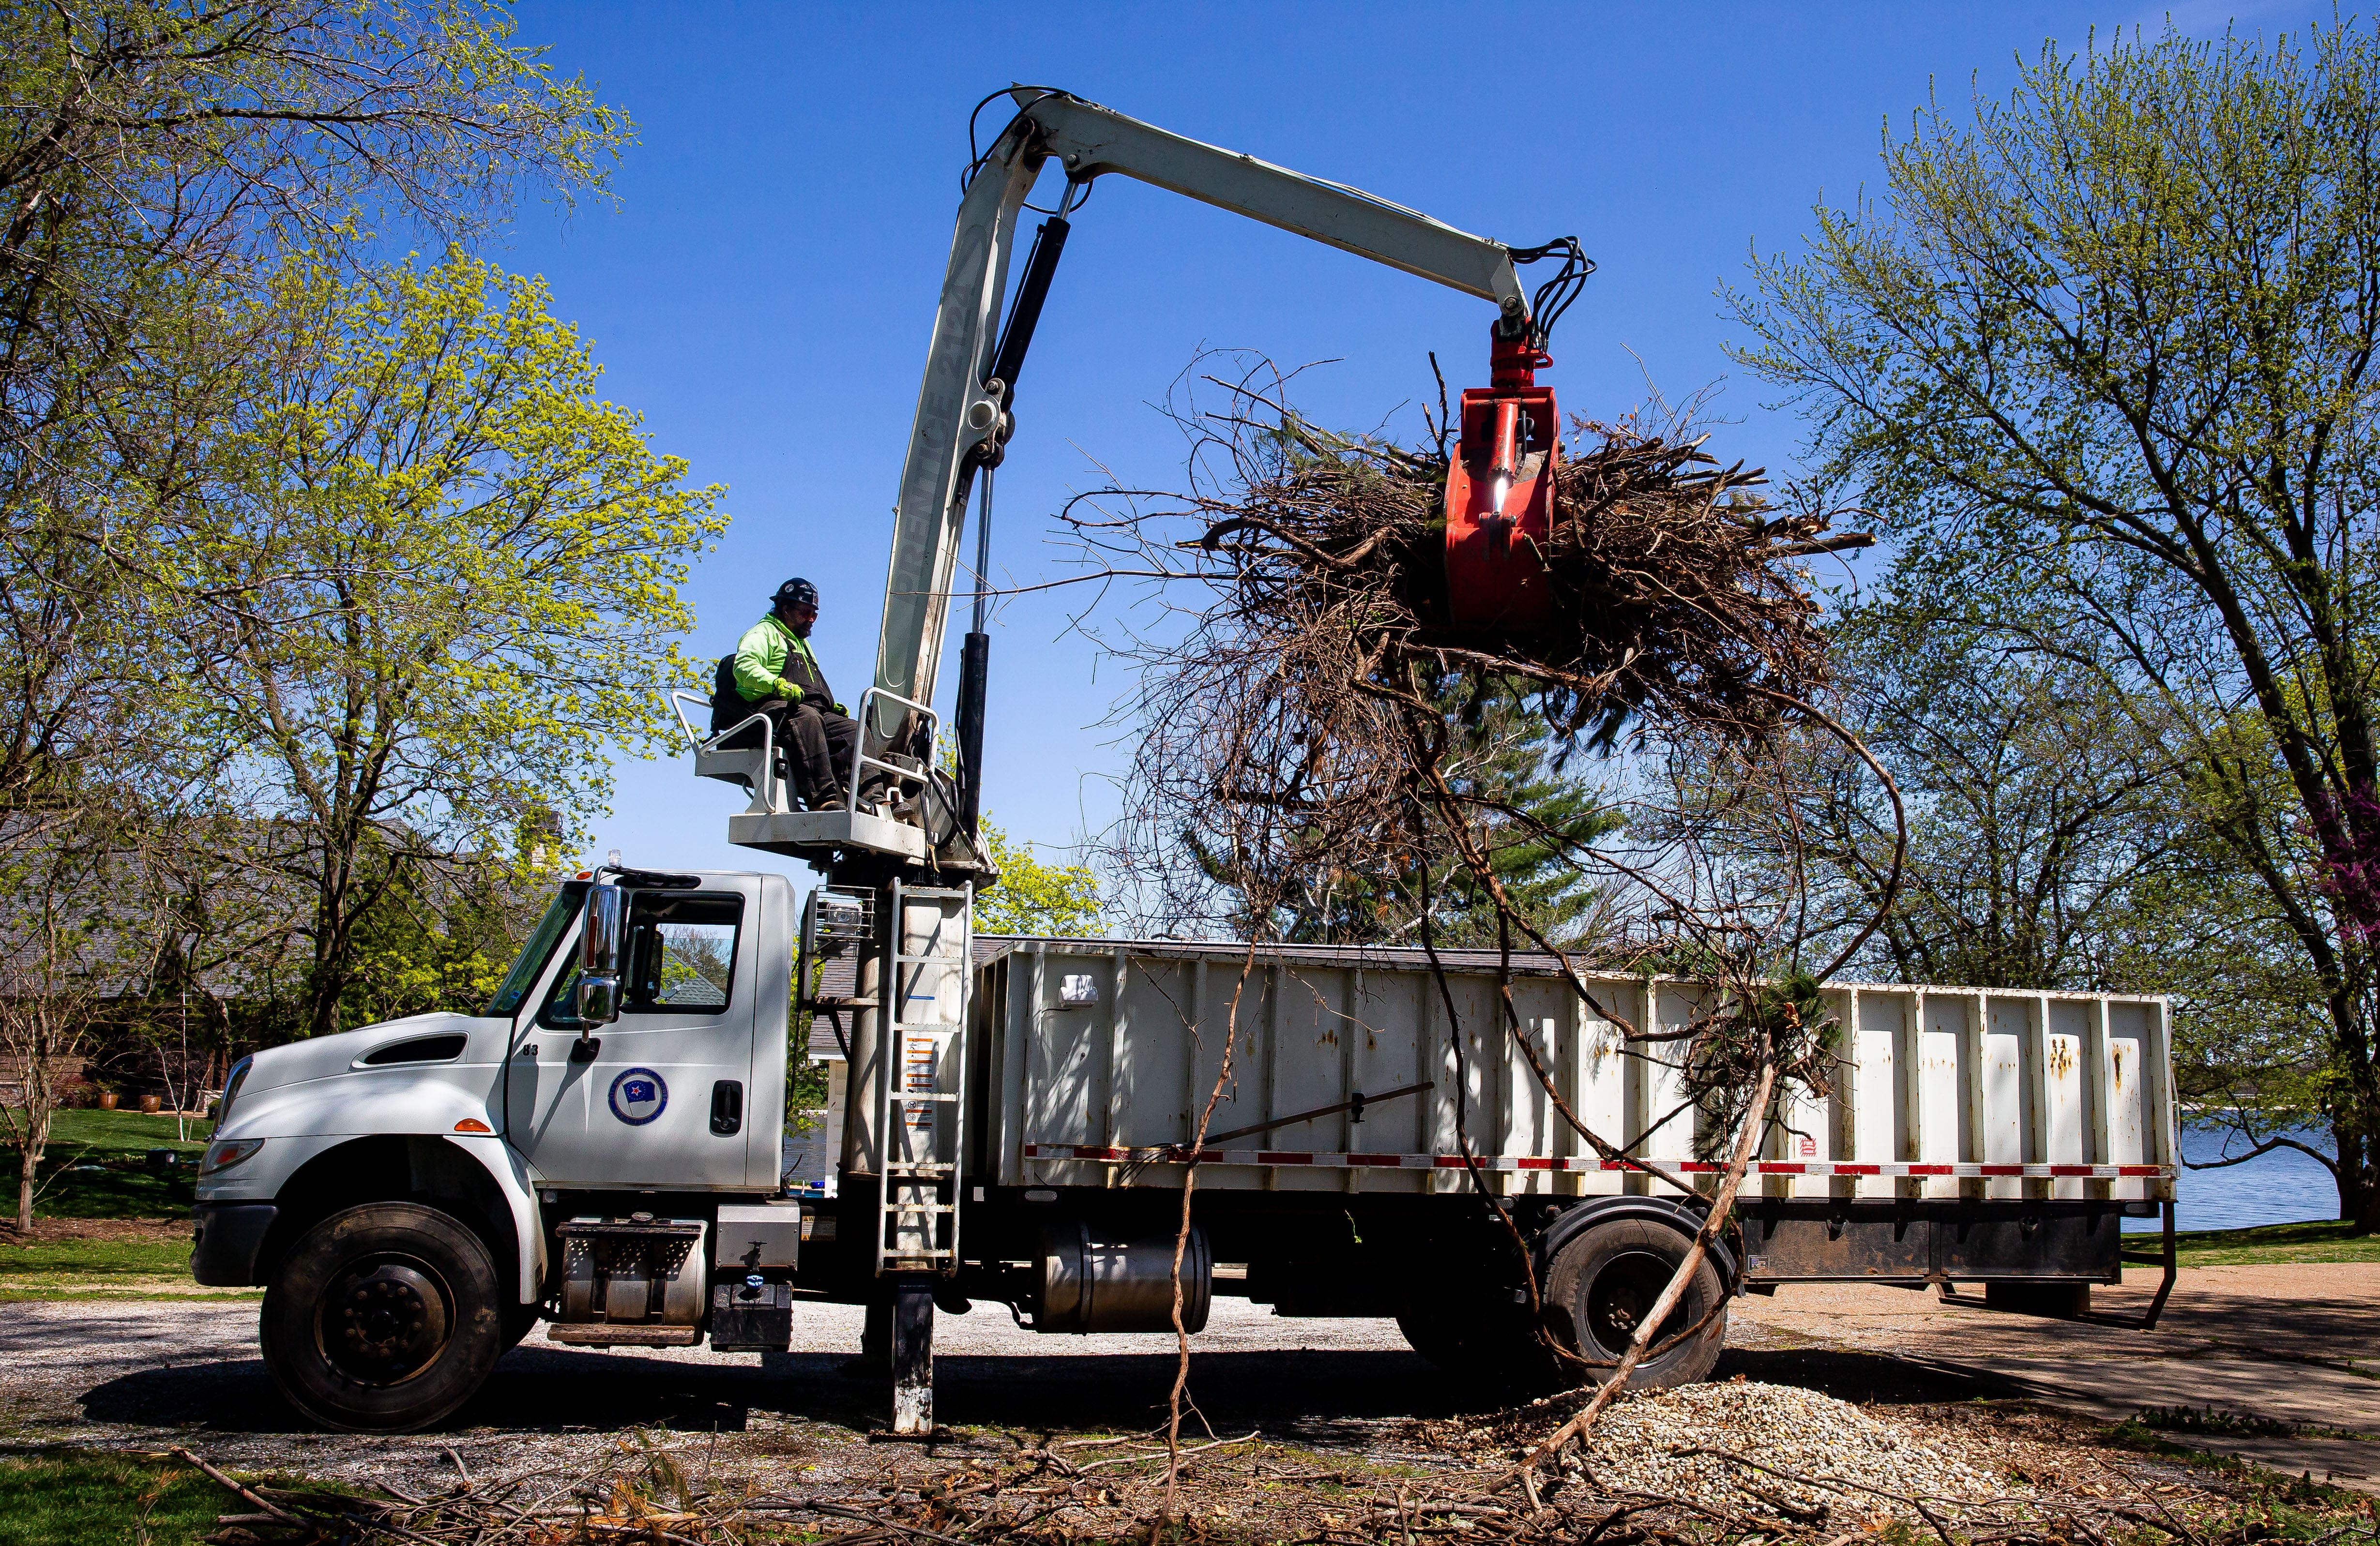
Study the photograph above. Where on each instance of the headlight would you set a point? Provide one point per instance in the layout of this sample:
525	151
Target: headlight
224	1155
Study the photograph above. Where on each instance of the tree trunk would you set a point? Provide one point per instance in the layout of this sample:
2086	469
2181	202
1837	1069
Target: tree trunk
2358	1170
37	1133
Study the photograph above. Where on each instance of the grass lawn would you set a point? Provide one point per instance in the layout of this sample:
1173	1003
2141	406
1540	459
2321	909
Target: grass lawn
117	1134
77	1496
129	1235
86	1498
103	1258
2327	1240
96	1167
137	1257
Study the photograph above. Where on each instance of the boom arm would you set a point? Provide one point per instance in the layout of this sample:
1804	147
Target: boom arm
959	408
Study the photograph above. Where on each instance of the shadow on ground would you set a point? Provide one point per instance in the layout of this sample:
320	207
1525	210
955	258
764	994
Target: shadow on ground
1329	1399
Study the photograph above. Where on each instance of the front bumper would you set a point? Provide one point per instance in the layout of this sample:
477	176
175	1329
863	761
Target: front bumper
227	1239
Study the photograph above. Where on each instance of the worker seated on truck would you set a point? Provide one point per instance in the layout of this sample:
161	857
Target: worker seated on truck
774	672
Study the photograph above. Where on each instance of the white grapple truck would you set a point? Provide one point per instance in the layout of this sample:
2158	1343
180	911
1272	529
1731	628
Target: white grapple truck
599	1150
602	1152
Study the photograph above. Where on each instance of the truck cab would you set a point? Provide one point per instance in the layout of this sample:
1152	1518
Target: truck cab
415	1196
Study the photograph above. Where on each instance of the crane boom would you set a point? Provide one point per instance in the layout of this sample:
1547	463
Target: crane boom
960	408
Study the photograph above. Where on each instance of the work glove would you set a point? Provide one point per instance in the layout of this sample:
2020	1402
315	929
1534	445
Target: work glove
840	709
788	691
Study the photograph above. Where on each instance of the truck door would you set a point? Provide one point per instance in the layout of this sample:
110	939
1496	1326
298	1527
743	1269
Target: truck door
664	1101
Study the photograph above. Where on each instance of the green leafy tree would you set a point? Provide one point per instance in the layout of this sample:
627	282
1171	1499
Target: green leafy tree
436	577
1034	895
157	157
438	935
2102	354
2041	811
146	144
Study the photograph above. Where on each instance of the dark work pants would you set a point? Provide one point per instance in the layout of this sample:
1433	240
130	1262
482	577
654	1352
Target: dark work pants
813	744
820	742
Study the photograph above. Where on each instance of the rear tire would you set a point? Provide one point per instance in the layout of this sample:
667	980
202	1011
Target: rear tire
1604	1280
2063	1301
382	1318
1475	1333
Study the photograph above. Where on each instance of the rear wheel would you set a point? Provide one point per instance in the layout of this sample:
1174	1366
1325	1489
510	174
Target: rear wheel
2062	1301
1476	1333
1603	1283
382	1318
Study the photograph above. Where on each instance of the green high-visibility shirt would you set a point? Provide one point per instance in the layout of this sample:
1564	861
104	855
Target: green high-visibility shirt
772	661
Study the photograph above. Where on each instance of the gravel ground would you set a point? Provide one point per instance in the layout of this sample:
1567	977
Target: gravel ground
1343	1402
144	1375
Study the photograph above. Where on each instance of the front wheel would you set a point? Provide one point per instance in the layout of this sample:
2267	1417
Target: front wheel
382	1318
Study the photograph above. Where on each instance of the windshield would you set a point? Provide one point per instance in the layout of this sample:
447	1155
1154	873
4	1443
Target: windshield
524	974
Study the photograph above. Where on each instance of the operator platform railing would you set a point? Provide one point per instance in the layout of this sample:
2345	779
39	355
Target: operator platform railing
755	766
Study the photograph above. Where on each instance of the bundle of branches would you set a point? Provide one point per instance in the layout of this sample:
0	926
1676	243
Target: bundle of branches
1297	713
1676	594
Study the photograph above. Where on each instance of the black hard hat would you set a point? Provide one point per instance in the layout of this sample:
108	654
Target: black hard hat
796	593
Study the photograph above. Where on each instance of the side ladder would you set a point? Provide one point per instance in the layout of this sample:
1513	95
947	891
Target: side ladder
928	967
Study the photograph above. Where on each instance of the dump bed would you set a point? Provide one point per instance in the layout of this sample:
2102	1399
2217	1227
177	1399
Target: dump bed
1084	1051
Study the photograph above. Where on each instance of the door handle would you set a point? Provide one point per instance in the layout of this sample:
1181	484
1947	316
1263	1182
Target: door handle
727	1107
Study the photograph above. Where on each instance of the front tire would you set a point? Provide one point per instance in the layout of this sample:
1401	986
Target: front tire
519	1320
382	1318
1605	1280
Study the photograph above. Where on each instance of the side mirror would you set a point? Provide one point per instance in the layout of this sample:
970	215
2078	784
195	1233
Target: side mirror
598	957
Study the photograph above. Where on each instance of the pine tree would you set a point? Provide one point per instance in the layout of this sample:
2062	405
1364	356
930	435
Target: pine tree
1508	766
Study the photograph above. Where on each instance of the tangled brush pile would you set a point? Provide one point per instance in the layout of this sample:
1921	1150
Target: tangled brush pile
1677	594
1299	719
1302	710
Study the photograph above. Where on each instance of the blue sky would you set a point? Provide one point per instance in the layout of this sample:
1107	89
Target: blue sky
763	290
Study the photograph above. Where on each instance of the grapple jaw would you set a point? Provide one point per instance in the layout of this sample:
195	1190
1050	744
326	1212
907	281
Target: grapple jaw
1499	495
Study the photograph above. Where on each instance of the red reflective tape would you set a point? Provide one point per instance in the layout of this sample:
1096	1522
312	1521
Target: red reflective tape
1507	1163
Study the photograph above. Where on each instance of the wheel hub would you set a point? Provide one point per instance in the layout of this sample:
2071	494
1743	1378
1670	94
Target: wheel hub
1621	1296
384	1321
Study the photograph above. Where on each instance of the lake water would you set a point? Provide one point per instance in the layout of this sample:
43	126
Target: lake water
2284	1186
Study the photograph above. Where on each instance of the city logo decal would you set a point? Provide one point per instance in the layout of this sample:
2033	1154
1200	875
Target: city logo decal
637	1096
